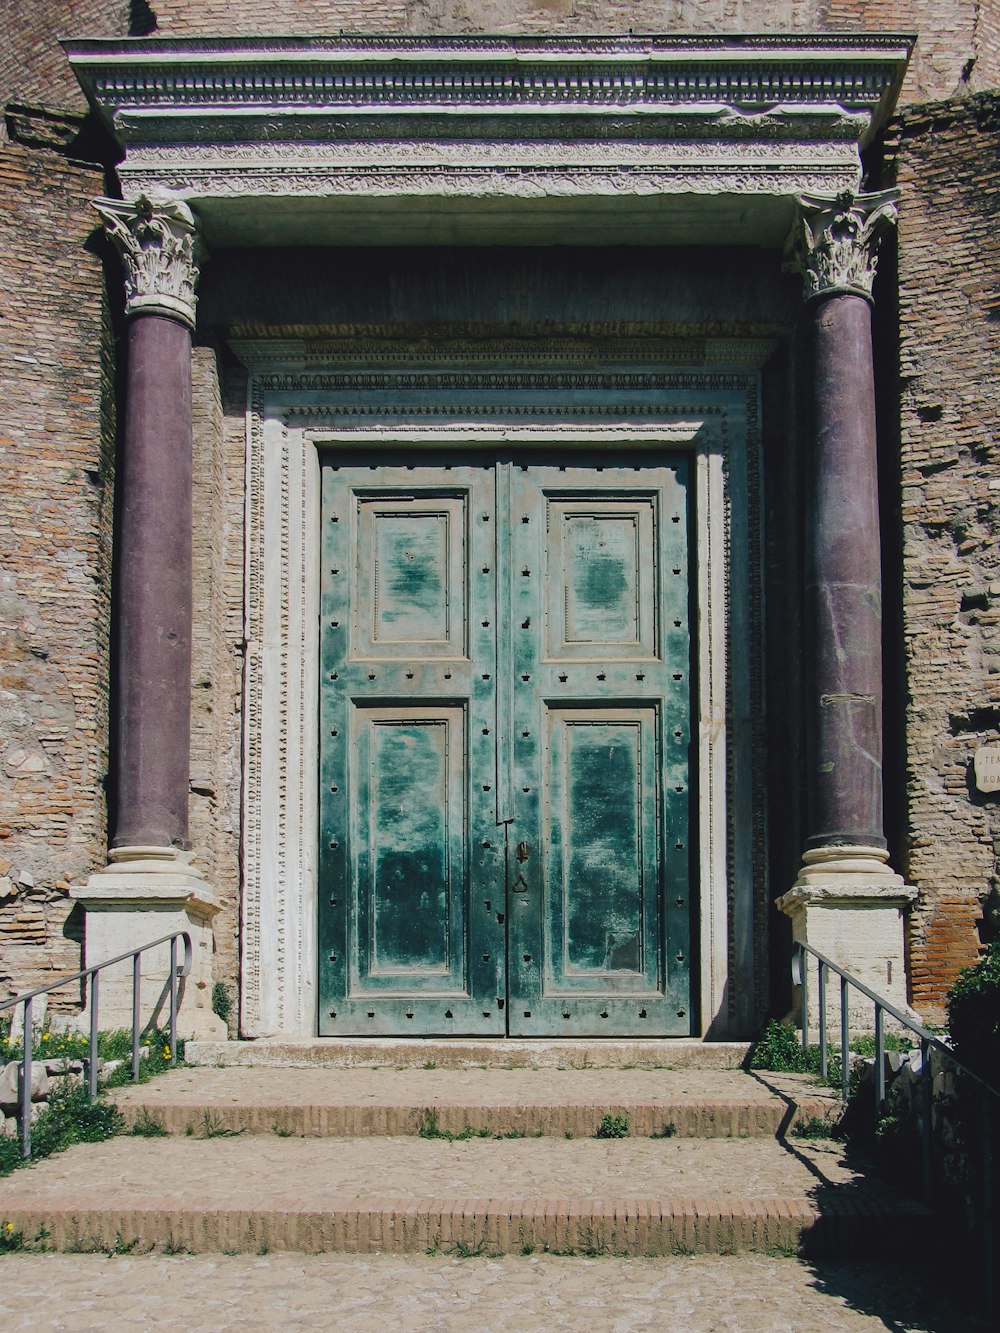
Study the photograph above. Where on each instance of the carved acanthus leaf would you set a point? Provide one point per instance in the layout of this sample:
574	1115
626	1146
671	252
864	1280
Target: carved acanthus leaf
834	245
155	235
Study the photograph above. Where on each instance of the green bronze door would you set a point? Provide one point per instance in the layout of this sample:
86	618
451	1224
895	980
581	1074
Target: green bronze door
505	727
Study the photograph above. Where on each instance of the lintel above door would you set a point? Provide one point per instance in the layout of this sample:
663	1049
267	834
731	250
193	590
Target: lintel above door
492	140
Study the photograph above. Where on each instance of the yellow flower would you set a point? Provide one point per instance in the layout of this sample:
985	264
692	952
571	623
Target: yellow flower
45	1036
10	1226
166	1052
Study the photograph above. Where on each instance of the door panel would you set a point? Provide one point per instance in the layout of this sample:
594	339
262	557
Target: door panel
409	785
412	888
599	939
505	723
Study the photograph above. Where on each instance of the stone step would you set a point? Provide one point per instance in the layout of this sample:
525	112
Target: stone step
512	1103
253	1194
471	1053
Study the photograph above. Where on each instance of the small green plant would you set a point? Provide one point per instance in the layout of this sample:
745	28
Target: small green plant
222	1004
613	1127
68	1117
666	1131
974	1015
465	1251
10	1239
146	1126
891	1041
814	1127
213	1128
779	1050
428	1128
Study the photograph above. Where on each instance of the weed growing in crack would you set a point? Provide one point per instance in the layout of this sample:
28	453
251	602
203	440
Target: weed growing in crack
613	1127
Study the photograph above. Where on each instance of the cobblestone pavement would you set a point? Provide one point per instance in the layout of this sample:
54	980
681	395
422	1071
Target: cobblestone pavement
441	1294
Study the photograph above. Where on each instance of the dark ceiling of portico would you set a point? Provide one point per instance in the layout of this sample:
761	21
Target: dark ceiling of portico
254	293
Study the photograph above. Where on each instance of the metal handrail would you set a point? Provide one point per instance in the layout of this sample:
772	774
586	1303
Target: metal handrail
93	973
928	1040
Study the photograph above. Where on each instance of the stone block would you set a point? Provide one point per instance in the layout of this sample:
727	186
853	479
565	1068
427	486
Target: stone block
10	1083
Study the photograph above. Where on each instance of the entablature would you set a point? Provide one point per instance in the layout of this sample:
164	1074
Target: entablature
493	140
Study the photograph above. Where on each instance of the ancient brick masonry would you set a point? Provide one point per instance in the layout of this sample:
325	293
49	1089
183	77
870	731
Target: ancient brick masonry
950	448
56	487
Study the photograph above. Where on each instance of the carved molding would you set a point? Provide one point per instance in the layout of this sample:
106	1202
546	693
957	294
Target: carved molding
155	236
834	246
396	71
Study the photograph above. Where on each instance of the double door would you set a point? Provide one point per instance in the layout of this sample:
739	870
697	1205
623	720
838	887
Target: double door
505	722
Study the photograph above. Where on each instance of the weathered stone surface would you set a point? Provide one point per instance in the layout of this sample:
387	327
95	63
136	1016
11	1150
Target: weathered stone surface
10	1083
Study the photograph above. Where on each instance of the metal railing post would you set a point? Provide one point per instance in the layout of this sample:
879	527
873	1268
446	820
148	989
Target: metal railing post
136	985
173	1000
927	1108
92	1070
25	1090
821	981
804	982
879	1063
845	1041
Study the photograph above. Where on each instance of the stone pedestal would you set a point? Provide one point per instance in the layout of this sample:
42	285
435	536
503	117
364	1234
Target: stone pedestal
143	894
849	904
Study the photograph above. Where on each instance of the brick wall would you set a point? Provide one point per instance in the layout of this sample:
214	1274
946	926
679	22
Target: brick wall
949	291
56	486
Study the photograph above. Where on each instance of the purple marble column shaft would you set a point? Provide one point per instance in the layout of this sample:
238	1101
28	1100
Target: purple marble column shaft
154	599
844	583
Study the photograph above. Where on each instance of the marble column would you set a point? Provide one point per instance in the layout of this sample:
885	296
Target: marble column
847	901
152	884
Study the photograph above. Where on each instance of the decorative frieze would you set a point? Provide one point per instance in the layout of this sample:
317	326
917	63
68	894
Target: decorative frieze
155	236
834	245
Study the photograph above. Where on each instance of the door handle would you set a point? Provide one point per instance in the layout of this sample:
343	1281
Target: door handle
522	852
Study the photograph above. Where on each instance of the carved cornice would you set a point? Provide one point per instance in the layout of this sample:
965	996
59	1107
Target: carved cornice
834	245
400	71
155	236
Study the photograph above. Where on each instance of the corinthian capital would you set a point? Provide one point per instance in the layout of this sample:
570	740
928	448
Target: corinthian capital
834	243
155	235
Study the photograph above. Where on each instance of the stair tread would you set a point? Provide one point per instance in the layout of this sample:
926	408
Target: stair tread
466	1087
255	1172
471	1052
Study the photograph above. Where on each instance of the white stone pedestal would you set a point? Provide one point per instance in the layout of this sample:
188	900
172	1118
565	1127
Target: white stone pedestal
143	894
848	904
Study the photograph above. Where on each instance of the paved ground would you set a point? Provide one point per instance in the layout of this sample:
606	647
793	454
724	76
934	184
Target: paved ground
433	1294
240	1172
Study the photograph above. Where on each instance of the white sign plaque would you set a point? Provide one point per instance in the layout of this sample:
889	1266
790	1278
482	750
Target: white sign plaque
987	764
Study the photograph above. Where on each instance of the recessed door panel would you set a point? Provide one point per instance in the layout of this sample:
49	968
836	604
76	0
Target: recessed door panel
411	594
603	849
410	847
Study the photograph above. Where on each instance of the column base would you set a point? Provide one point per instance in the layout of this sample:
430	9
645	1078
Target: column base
849	904
142	894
